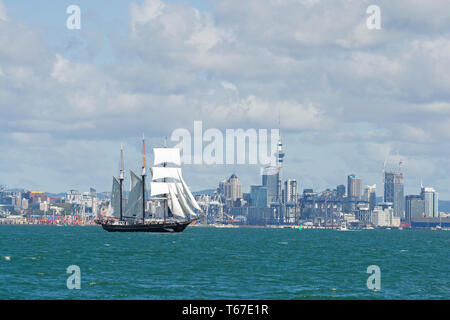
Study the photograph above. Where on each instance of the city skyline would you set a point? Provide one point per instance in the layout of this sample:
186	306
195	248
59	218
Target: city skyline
366	190
347	97
352	190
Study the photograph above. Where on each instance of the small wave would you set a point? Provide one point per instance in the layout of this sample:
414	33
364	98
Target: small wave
283	242
107	245
30	258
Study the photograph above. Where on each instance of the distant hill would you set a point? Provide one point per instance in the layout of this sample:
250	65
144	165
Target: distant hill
15	190
444	205
56	195
206	191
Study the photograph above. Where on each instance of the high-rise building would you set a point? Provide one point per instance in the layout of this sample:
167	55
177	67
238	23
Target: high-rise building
354	187
233	188
414	207
258	196
393	192
370	196
270	181
290	191
222	186
340	191
431	200
280	157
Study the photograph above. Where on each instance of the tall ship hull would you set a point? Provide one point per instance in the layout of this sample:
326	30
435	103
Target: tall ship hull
163	227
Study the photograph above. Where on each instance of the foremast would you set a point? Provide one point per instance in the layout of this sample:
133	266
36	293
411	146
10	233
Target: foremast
166	198
143	179
121	178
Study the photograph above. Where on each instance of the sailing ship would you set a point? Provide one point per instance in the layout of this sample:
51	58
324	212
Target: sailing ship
168	188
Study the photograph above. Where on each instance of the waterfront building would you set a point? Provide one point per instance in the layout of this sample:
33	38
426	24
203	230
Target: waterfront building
363	214
261	216
430	222
431	200
414	207
384	216
393	192
354	187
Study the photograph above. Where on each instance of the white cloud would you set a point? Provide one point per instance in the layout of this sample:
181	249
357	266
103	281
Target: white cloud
149	10
333	81
252	111
229	86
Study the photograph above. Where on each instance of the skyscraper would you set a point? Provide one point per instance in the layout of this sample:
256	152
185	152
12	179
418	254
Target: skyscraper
280	156
270	181
414	207
370	196
431	200
258	195
233	188
393	192
340	191
290	191
222	186
354	187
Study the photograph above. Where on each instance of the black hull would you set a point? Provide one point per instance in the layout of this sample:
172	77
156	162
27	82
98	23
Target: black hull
171	227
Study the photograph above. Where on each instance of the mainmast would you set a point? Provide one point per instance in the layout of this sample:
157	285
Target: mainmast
166	204
280	156
121	178
143	179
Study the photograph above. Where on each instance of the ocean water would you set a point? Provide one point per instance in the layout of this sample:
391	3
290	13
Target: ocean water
213	263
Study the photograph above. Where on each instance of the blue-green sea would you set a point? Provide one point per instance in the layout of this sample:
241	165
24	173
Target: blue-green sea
214	263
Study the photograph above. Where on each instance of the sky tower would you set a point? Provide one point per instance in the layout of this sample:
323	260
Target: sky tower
280	156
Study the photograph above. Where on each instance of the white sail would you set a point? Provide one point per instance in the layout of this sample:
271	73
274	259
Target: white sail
180	199
188	195
167	155
159	188
115	198
184	204
134	208
165	172
174	204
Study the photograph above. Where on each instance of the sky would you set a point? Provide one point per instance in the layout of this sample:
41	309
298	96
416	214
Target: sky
347	98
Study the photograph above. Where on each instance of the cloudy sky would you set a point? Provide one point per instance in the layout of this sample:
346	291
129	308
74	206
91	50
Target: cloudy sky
348	97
